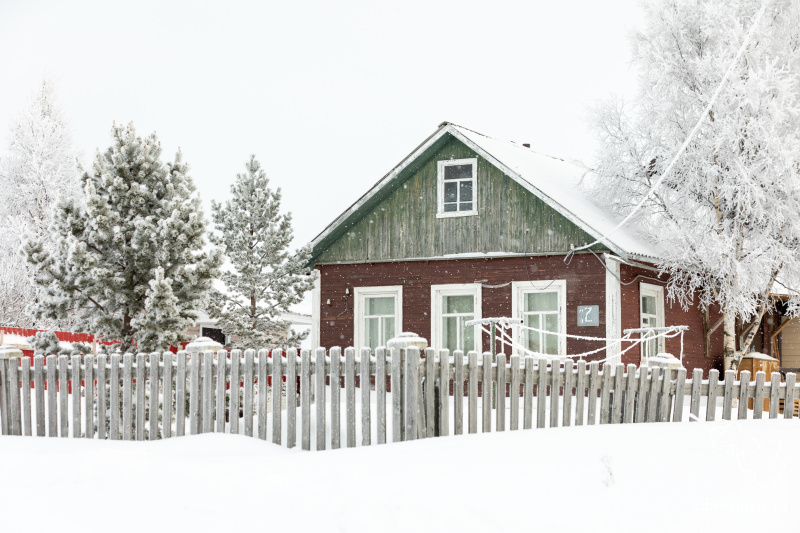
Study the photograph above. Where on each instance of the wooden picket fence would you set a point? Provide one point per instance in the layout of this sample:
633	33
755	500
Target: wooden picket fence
153	396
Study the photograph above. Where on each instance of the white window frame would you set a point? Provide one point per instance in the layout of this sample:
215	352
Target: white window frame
440	212
455	289
648	289
518	291
360	294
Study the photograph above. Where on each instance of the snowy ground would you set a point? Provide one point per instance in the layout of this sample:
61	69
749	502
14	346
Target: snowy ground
637	477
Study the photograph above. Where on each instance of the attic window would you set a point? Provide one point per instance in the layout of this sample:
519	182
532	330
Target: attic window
457	188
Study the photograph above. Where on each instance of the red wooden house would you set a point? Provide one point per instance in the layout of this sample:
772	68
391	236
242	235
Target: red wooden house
467	226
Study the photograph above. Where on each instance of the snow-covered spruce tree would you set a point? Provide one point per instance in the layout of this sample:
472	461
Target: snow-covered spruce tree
130	264
265	278
728	214
38	170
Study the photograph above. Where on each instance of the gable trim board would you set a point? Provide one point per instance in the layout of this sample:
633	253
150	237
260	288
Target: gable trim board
622	242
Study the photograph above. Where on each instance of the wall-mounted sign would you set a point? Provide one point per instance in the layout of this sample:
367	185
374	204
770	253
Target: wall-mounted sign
588	315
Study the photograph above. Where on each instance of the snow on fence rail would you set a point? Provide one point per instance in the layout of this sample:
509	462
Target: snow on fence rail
151	396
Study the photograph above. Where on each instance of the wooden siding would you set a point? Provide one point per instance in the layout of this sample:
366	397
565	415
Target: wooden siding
404	224
693	343
584	275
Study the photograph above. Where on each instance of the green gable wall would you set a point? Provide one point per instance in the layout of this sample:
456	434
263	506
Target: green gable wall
403	224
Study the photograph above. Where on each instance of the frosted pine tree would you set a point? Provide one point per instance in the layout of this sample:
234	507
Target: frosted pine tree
265	278
130	265
38	170
728	214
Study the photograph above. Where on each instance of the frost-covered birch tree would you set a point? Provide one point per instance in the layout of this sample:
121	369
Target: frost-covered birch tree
37	171
727	216
130	263
265	278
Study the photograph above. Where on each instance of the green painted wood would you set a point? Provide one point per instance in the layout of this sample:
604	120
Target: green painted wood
403	224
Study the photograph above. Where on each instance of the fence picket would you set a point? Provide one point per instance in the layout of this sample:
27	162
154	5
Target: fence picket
397	396
666	399
319	394
166	415
25	378
486	391
12	383
458	392
697	383
113	400
711	405
52	389
652	396
514	394
444	393
580	392
154	395
180	395
263	393
380	393
336	386
350	395
472	393
541	393
141	383
88	405
222	387
527	407
788	403
277	395
207	392
249	385
500	403
305	399
679	395
758	397
127	396
233	390
38	388
727	395
744	391
616	404
429	424
75	377
555	386
591	396
5	426
291	396
630	394
605	394
102	403
568	381
774	388
63	393
412	392
194	394
366	422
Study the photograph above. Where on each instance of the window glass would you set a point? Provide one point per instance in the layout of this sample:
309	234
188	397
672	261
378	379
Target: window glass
465	191
540	312
379	320
457	310
458	172
464	303
383	305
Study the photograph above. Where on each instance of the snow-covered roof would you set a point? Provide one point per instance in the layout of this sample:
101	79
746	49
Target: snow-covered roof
557	182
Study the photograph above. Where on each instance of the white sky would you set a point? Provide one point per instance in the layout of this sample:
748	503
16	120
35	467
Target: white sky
329	96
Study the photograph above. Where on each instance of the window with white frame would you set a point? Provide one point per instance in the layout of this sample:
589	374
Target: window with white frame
452	306
457	187
378	315
542	307
651	311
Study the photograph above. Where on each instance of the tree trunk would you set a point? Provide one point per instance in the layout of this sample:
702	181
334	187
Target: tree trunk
729	341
